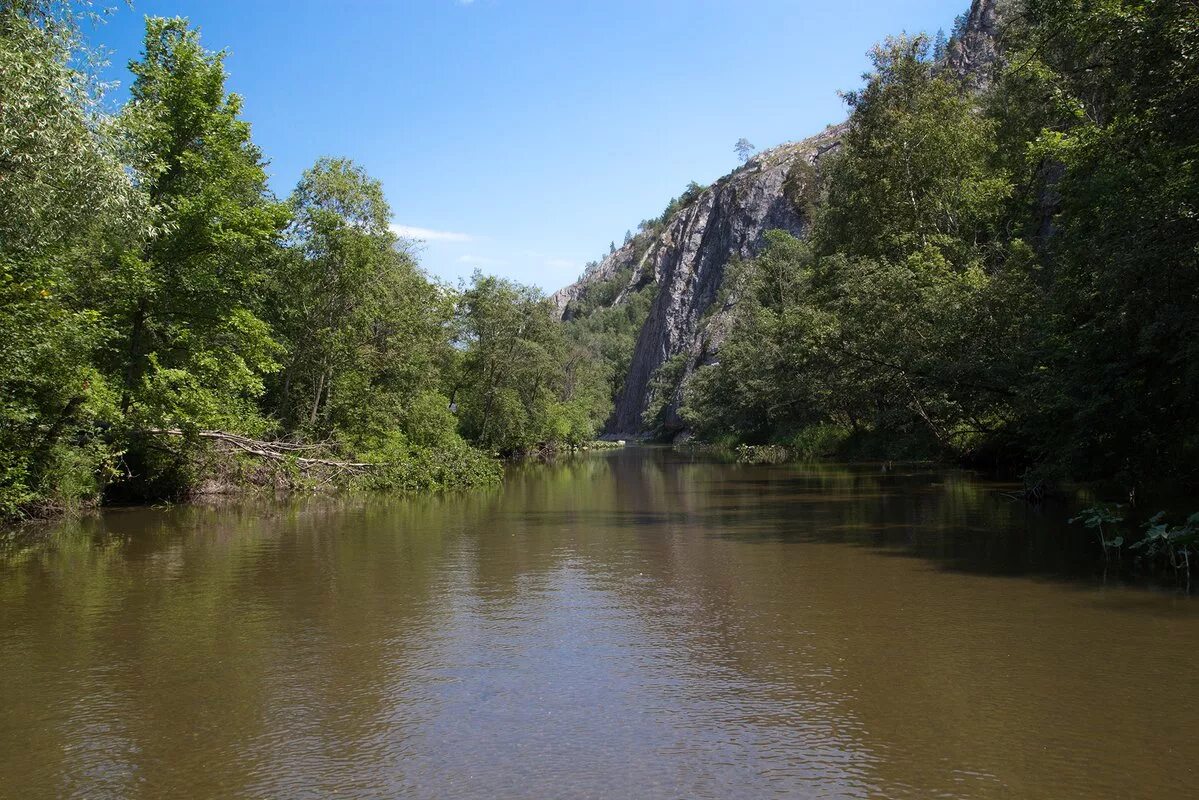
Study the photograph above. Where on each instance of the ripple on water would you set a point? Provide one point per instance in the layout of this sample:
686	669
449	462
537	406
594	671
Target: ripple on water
629	626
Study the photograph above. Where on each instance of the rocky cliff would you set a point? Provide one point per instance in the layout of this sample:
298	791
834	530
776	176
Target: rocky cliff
688	254
974	51
688	257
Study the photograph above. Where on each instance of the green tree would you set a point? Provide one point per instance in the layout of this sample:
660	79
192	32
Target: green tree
367	334
776	371
184	296
606	331
743	149
898	322
522	383
62	191
916	171
930	306
1112	170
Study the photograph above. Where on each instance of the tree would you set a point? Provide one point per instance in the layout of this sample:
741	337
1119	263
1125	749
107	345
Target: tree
367	335
897	323
523	384
917	166
195	348
607	332
1009	275
743	149
62	194
940	46
1104	95
779	369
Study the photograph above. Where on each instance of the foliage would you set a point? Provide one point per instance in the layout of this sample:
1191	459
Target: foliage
608	335
743	149
663	391
1161	542
1008	277
604	444
597	295
193	350
677	204
523	384
803	187
365	331
1095	517
915	174
61	189
1176	543
161	308
410	466
1120	388
762	454
648	228
818	441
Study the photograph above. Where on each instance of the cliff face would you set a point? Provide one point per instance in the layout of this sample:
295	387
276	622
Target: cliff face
727	222
688	256
974	52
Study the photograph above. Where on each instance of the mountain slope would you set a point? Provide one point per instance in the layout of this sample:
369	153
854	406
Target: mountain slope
687	255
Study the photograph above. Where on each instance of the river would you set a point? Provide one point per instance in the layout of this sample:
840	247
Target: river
629	624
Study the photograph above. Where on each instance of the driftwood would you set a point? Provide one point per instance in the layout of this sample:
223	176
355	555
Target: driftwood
273	451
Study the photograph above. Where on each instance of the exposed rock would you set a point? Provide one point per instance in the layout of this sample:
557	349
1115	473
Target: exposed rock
688	259
631	256
689	255
974	53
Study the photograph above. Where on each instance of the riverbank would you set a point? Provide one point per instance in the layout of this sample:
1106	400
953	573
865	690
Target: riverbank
230	467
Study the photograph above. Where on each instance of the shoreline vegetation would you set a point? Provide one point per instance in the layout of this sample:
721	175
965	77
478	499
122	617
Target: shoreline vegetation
1000	271
1000	268
171	328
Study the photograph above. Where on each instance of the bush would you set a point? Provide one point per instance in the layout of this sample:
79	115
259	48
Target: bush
409	467
818	441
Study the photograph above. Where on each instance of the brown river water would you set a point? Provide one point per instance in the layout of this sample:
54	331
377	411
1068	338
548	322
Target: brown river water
632	624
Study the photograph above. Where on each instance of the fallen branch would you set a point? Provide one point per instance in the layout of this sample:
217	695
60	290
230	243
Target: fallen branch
274	451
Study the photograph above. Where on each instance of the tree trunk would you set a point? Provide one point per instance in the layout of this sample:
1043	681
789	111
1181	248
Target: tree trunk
316	401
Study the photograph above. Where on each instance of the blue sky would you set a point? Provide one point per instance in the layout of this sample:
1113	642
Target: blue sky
519	136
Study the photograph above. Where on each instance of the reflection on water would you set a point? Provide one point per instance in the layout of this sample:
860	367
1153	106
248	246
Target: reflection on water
629	624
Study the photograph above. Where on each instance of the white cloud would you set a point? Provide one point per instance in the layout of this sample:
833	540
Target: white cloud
561	263
428	234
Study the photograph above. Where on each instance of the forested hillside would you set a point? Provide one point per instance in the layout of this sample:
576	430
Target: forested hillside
1009	276
1001	266
170	326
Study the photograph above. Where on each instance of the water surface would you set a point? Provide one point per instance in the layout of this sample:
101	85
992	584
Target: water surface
629	624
